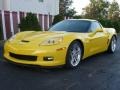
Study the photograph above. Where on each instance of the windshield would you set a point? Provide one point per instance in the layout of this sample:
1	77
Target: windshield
72	26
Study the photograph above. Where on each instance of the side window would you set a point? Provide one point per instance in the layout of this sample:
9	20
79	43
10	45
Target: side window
95	26
98	25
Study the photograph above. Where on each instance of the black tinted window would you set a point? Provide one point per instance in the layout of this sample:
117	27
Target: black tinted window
72	26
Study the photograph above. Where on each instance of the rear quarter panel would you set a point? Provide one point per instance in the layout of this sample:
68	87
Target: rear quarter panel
111	32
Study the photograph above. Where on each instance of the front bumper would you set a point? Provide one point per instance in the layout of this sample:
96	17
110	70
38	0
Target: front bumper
56	52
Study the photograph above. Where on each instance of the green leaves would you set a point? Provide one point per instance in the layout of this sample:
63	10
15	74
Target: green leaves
96	9
65	9
110	24
58	18
30	22
105	12
114	11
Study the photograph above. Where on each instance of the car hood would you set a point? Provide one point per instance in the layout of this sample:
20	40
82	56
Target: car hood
32	36
38	36
35	38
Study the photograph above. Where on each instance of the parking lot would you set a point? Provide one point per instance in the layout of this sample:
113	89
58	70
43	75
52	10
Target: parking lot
99	72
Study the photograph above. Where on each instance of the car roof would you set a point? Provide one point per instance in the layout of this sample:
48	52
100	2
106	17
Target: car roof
91	20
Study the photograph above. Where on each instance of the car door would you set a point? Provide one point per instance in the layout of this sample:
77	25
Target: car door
97	38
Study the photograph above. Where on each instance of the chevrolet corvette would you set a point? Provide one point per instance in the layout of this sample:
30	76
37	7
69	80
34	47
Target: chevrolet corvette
65	43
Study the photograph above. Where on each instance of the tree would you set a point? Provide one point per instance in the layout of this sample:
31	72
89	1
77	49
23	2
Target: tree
97	9
101	10
65	9
114	11
77	17
116	16
70	12
57	19
30	22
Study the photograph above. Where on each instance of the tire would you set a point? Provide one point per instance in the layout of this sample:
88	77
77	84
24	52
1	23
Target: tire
74	55
113	44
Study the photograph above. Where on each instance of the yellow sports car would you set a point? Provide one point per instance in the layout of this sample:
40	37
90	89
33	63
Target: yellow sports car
66	43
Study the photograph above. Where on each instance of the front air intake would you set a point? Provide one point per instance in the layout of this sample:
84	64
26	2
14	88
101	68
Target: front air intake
23	57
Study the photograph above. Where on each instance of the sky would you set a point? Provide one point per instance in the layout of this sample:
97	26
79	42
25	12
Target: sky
79	4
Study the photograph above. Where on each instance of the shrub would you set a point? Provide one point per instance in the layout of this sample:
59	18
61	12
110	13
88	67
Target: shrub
111	24
116	25
77	17
30	22
57	19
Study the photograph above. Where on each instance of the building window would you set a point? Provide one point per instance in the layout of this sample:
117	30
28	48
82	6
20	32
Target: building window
41	0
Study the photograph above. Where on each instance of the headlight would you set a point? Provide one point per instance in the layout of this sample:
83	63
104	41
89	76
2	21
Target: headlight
13	37
52	41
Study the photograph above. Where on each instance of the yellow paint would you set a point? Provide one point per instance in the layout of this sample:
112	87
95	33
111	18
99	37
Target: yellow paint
93	43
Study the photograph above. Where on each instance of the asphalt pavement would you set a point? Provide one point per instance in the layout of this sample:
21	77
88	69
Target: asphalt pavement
99	72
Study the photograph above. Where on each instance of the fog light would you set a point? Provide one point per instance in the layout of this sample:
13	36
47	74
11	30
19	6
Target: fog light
48	58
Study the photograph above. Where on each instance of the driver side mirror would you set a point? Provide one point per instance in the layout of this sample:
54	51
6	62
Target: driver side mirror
93	33
99	30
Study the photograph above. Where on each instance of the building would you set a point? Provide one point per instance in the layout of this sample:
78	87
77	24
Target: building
34	6
12	11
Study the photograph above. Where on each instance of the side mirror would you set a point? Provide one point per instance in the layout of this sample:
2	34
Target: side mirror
99	30
93	33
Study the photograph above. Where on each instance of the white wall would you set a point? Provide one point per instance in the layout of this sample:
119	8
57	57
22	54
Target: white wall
1	4
34	6
45	7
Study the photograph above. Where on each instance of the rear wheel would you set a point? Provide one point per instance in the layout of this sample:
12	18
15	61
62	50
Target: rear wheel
74	55
112	46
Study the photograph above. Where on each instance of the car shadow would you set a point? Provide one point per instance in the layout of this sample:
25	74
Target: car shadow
59	68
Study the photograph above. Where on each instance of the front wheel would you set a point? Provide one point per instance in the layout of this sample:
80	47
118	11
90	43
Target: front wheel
113	44
74	55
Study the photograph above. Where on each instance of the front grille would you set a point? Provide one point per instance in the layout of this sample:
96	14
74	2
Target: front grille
23	57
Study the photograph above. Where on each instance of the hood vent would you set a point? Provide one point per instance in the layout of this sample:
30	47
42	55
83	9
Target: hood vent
25	41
